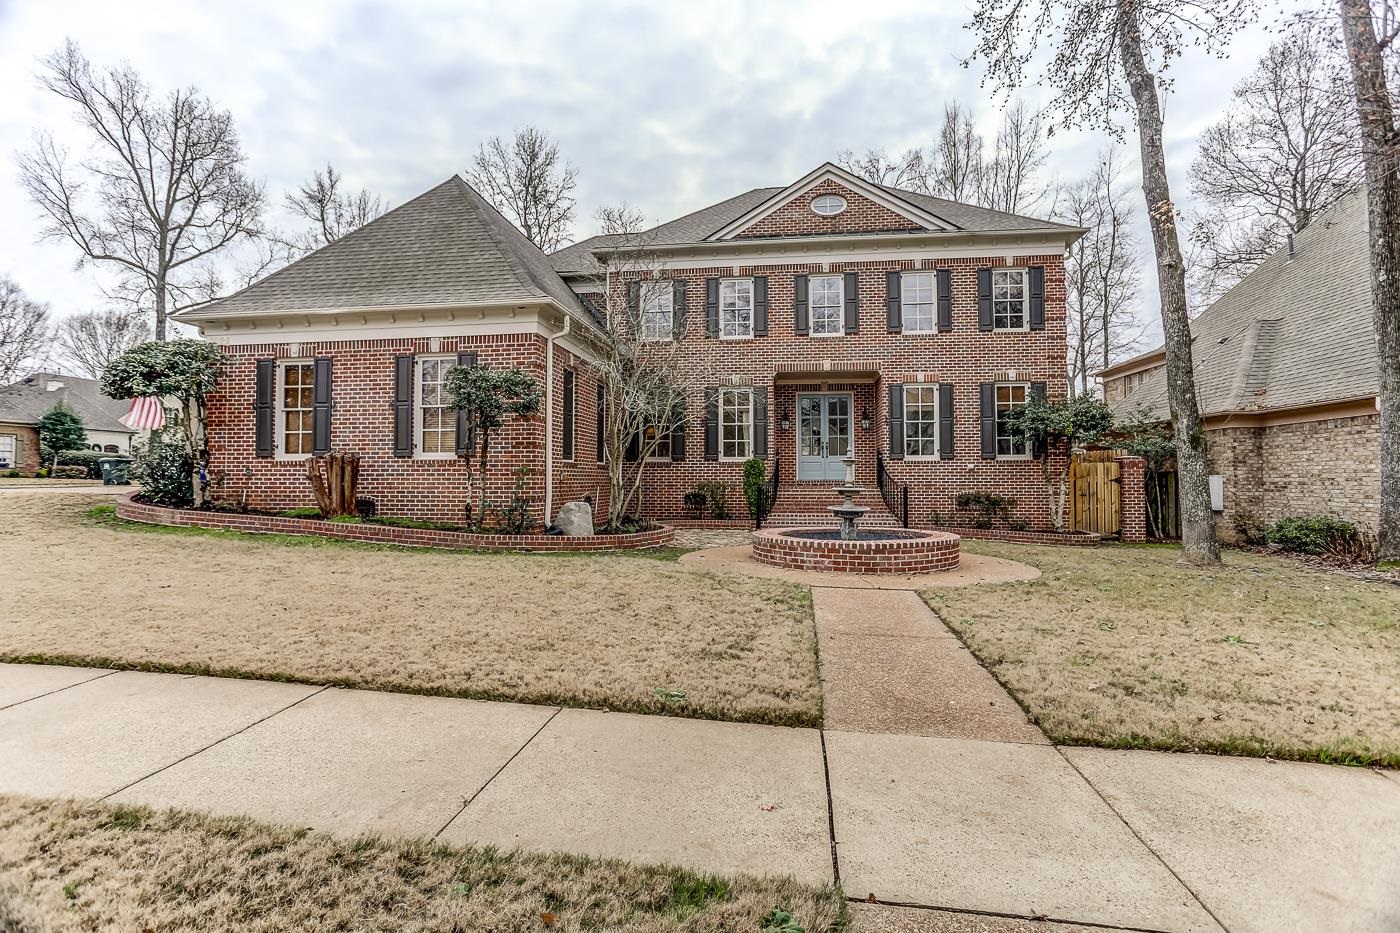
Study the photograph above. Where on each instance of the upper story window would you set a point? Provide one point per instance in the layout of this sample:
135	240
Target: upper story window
658	310
828	205
1009	293
1010	396
920	421
736	308
295	396
918	293
437	420
735	424
826	302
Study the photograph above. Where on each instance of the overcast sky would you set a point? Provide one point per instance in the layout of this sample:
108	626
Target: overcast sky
669	106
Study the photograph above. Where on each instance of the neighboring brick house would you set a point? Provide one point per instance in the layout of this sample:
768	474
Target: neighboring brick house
832	317
1287	380
23	403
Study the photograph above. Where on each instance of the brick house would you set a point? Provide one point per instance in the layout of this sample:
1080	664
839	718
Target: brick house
835	318
1287	380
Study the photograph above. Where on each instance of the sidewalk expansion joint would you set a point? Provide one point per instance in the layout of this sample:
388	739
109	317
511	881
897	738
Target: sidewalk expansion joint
477	793
200	751
830	812
1037	918
58	690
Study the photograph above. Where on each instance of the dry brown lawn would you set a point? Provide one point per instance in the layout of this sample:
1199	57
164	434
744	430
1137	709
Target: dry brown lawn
1125	646
67	866
617	632
22	481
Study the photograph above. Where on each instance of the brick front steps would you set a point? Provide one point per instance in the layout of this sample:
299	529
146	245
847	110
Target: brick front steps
911	552
249	523
1065	538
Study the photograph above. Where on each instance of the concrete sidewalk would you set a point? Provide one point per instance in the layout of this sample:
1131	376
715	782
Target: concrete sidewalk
1132	840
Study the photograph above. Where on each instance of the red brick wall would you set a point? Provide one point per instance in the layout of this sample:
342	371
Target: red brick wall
362	421
26	446
1132	502
796	218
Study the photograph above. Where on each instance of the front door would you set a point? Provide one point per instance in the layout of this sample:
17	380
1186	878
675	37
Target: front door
823	435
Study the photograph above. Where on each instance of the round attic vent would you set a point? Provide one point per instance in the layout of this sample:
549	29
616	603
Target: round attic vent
828	205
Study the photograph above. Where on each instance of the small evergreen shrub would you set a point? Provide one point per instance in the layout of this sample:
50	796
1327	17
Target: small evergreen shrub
987	507
70	472
164	468
716	497
86	459
755	475
1311	534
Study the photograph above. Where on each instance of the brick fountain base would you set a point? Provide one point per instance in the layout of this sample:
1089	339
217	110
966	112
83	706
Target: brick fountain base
900	551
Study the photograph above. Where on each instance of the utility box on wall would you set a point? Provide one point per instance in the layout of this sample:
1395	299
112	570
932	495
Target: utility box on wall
1217	493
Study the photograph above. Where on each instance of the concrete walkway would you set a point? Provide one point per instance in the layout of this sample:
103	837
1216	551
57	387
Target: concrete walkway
974	823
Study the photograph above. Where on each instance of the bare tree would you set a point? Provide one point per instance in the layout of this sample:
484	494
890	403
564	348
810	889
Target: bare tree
24	331
1080	206
1011	179
91	341
161	190
957	160
528	181
1285	149
1099	67
619	219
1367	49
330	212
909	171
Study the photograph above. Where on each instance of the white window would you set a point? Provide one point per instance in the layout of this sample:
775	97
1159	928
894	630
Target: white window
918	297
735	424
662	450
825	303
1010	396
736	308
1009	299
295	395
920	421
828	205
437	419
658	310
9	450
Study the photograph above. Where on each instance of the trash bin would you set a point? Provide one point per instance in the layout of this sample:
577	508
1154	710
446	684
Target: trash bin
115	471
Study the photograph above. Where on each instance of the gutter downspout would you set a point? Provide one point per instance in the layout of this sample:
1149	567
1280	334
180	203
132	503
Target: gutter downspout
549	418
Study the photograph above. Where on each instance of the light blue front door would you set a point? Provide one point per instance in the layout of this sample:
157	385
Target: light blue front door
823	435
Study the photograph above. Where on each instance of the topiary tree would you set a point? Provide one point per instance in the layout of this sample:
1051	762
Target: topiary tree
488	396
1049	426
61	429
186	371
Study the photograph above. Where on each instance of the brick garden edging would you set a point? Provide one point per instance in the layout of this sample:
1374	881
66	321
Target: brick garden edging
912	552
249	523
1062	538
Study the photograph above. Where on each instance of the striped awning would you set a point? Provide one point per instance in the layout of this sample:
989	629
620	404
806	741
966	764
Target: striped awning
146	412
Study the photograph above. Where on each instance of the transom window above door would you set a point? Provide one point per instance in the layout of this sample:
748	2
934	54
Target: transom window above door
1009	299
918	299
736	308
657	310
296	397
826	302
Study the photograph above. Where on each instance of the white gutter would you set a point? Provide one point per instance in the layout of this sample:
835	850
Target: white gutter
549	418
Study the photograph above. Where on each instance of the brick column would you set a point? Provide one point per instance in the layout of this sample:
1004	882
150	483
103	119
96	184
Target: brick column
1132	499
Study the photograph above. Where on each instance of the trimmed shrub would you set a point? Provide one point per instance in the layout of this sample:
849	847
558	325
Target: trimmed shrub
87	459
71	472
716	497
755	474
164	469
987	507
1311	534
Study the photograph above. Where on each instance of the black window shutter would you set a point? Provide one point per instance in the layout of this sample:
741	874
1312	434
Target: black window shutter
945	421
678	309
760	422
600	413
945	299
1037	318
262	406
633	453
799	304
712	307
678	442
1038	393
760	306
852	291
466	435
321	407
894	312
568	414
984	299
403	405
988	392
897	421
634	304
712	424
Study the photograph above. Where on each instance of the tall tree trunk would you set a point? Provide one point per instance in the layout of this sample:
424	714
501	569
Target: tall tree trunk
160	308
1379	150
1198	543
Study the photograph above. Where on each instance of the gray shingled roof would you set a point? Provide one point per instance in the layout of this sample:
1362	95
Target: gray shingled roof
577	258
448	246
1293	332
26	401
973	218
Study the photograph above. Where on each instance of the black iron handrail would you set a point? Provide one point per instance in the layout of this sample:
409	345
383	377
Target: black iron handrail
767	493
894	493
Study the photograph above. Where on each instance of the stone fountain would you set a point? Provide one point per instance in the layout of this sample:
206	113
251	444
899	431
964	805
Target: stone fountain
848	512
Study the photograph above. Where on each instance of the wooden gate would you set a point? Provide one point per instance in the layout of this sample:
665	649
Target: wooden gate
1094	495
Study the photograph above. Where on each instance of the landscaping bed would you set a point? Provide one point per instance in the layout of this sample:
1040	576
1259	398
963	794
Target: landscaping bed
73	866
1014	536
1125	646
618	631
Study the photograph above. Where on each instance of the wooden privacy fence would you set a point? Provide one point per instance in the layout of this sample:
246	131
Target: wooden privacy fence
1095	492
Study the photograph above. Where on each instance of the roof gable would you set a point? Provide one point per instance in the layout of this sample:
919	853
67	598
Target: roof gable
28	400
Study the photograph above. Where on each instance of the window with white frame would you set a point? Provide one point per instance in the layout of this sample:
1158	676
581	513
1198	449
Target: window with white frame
735	424
662	450
921	421
1009	292
9	450
736	308
825	304
657	310
918	297
1010	396
437	419
294	417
